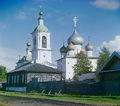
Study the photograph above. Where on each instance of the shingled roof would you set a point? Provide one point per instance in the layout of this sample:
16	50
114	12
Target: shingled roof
35	67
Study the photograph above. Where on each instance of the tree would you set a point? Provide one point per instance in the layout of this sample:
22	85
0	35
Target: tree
103	56
3	72
82	66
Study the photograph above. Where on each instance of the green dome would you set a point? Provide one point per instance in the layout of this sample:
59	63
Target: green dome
41	28
63	49
24	59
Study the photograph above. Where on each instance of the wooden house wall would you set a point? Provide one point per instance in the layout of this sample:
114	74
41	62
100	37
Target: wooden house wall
115	65
11	81
111	83
42	77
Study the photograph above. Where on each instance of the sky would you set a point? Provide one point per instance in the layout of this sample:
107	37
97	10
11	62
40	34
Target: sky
98	20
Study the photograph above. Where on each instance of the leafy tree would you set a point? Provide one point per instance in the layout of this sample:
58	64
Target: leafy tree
103	56
3	72
82	66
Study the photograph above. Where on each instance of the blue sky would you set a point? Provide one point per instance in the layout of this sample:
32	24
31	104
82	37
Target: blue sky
98	19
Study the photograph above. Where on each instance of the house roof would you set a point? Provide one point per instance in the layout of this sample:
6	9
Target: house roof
115	55
35	67
88	76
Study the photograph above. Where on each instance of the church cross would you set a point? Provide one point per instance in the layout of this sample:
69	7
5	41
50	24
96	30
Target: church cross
75	21
29	36
40	7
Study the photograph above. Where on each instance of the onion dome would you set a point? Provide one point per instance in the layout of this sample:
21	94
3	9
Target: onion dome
28	43
89	47
28	47
63	49
40	13
75	39
71	47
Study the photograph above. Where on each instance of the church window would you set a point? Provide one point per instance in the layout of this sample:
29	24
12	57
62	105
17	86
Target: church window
12	79
23	78
8	79
34	42
44	42
17	78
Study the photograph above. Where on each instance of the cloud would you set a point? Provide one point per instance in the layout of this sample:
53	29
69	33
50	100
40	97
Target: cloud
106	4
113	45
21	16
8	57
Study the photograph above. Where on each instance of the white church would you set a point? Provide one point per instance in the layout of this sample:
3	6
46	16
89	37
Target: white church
41	52
38	59
68	53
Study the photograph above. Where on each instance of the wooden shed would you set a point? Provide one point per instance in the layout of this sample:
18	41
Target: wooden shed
110	75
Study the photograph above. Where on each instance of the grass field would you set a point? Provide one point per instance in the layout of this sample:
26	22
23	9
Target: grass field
114	100
3	104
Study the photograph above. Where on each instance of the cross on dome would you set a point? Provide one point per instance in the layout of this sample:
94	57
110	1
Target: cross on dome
29	36
40	13
75	21
40	7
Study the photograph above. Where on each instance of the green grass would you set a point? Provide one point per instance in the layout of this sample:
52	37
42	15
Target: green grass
3	104
114	100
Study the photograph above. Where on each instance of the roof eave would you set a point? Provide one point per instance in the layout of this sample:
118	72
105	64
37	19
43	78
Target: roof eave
113	54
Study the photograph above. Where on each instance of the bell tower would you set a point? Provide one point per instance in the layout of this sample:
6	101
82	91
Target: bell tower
41	52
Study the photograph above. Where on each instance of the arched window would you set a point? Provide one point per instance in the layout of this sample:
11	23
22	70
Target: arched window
34	43
44	42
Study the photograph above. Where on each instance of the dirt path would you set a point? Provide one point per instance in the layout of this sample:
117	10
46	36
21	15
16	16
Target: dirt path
20	101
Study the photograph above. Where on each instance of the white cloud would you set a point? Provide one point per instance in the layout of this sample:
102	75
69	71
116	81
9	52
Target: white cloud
106	4
8	57
113	45
21	16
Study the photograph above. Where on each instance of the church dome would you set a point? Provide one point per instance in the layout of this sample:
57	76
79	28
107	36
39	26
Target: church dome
41	28
63	49
75	39
28	44
71	46
89	47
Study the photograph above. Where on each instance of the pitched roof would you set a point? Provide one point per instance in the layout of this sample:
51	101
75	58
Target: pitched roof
109	62
35	67
88	76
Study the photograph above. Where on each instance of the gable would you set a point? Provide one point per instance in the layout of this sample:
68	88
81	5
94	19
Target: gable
113	64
